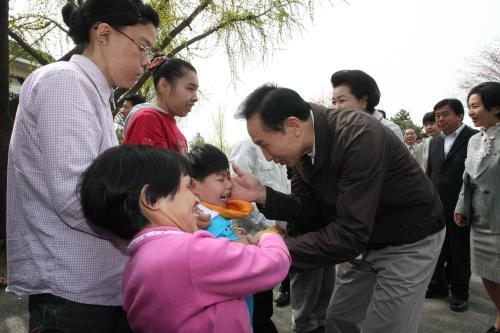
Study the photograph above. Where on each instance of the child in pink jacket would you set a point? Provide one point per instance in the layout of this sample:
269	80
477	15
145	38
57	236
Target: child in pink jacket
177	279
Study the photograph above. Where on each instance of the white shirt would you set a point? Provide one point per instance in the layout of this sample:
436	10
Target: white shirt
389	124
450	139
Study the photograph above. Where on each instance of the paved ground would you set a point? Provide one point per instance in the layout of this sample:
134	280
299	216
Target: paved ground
437	318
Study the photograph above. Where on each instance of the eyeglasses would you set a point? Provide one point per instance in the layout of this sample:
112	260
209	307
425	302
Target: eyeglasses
146	51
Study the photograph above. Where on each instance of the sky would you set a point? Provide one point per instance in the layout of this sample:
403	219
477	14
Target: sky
415	51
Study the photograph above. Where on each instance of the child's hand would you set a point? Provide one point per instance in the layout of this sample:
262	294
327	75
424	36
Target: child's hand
203	220
278	230
242	236
239	232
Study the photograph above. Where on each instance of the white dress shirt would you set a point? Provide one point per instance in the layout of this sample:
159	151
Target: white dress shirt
450	139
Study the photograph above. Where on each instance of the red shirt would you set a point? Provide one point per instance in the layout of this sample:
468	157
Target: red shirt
151	127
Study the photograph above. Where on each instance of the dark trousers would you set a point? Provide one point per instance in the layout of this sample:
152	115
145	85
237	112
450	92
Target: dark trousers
453	266
49	313
285	284
262	313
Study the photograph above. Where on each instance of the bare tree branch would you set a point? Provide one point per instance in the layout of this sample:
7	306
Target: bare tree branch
185	23
37	55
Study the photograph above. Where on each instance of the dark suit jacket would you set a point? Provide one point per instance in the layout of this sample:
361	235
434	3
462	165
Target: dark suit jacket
364	182
446	172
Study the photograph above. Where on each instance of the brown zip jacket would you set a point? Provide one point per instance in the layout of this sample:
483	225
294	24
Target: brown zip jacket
364	183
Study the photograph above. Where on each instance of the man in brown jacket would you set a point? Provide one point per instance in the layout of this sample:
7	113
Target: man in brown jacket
385	217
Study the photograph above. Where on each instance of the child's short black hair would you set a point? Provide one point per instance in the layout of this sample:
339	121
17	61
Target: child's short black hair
429	117
111	186
205	160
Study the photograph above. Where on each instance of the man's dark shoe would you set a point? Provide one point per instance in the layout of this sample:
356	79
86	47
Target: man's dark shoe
458	305
493	329
436	293
282	299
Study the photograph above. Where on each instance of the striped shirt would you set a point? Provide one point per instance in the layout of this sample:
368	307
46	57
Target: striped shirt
63	123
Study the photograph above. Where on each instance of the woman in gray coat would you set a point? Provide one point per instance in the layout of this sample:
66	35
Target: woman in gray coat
478	201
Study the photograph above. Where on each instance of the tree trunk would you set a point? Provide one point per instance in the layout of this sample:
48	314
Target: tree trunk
5	119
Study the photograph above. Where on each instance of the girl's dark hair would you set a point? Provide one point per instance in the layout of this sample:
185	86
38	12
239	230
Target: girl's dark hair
117	13
205	160
111	186
171	69
490	95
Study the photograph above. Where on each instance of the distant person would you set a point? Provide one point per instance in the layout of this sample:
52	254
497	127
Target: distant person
410	139
477	205
354	89
176	85
177	278
250	158
72	273
385	225
432	129
447	153
129	102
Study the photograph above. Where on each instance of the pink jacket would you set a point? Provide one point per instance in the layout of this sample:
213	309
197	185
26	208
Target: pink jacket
183	282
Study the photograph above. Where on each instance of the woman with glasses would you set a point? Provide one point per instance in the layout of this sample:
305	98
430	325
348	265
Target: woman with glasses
72	272
176	85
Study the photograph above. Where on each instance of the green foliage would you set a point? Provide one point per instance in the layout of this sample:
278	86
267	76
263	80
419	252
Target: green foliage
198	140
244	30
219	138
404	121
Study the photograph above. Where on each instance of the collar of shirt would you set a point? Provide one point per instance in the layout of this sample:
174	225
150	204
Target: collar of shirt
377	115
313	152
454	134
96	76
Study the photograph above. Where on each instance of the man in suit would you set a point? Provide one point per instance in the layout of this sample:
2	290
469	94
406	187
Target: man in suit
445	167
410	138
385	226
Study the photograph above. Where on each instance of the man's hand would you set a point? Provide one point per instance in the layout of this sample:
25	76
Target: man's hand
459	219
247	187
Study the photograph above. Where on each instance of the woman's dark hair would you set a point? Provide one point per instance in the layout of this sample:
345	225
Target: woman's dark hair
490	95
361	85
111	186
117	13
205	160
171	69
274	105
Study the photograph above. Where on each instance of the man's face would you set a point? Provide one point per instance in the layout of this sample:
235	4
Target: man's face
284	147
410	136
431	128
126	107
447	120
